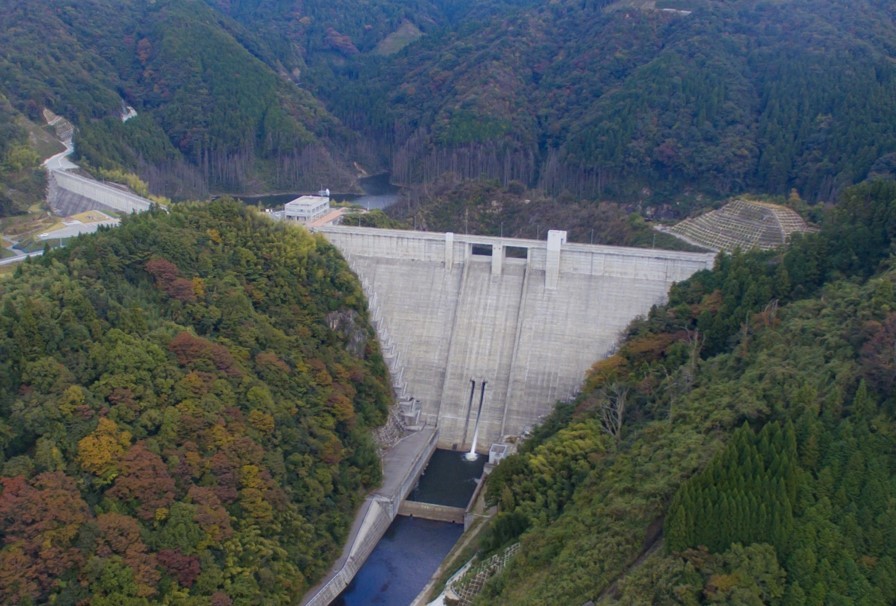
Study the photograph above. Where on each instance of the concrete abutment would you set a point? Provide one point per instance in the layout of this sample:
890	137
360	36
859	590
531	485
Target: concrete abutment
70	193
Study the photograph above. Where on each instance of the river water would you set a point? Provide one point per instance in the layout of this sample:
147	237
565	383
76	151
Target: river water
412	549
402	563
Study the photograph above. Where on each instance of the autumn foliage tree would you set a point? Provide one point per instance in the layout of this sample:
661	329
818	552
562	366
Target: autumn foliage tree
101	452
39	521
168	280
171	445
144	484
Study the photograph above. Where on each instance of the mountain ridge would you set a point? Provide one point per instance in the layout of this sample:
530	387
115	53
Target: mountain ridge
598	99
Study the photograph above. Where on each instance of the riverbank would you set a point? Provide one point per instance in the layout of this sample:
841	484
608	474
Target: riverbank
398	569
402	465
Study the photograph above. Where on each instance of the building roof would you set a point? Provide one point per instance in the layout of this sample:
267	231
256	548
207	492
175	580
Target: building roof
307	202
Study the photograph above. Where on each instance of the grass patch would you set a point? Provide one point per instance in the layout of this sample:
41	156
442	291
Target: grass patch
20	226
42	138
406	33
91	216
459	555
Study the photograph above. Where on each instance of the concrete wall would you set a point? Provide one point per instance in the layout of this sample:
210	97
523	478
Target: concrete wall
65	186
527	328
431	511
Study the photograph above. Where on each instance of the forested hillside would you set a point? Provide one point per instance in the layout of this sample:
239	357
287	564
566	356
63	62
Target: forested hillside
737	449
485	207
212	111
603	100
21	180
185	406
185	401
320	34
606	101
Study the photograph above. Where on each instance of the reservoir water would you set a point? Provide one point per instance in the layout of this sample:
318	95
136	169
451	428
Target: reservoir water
412	548
378	193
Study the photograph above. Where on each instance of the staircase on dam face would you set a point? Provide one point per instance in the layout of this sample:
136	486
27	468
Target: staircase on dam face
414	307
483	339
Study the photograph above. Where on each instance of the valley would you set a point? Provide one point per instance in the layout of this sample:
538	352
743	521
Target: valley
195	405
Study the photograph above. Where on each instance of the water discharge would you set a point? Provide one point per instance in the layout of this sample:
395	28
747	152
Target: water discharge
449	479
472	456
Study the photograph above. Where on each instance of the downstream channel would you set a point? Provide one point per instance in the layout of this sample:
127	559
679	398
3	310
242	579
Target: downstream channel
412	548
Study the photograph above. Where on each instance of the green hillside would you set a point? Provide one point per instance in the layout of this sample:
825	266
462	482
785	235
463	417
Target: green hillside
179	420
212	112
606	101
739	447
180	423
21	180
615	101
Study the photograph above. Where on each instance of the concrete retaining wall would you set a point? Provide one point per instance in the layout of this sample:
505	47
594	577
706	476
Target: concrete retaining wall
402	467
105	197
529	328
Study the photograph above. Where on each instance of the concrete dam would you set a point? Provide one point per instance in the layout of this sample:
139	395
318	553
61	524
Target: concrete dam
482	336
489	333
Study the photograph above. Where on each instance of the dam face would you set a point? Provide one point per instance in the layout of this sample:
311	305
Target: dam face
489	333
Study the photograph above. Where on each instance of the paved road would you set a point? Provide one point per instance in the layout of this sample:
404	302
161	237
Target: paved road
60	161
20	257
398	462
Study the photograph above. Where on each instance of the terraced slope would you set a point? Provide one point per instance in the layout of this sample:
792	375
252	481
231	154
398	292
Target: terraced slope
743	224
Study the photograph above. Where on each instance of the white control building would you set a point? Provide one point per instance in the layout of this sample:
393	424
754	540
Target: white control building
305	209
